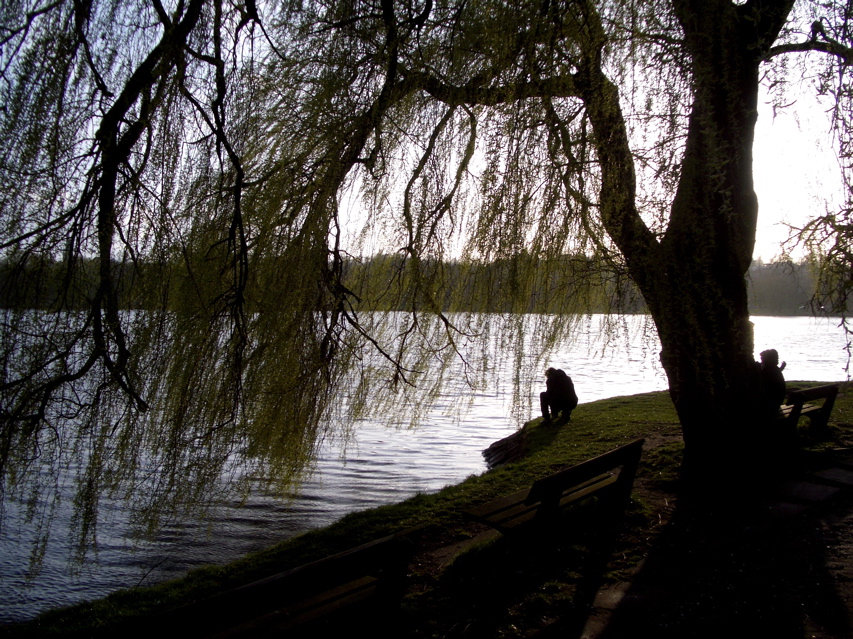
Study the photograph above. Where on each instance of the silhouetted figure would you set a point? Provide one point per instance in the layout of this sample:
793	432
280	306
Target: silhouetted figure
559	396
772	382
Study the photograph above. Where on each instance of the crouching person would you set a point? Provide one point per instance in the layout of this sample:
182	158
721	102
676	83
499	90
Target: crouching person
559	399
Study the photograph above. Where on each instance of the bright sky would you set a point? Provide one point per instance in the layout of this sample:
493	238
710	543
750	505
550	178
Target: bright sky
795	172
795	167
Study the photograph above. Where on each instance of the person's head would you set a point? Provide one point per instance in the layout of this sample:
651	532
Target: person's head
770	357
549	372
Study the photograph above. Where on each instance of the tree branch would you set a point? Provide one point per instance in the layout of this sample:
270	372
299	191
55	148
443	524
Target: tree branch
561	86
829	46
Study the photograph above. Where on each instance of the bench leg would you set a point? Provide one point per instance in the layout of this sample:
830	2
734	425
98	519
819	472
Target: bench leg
819	425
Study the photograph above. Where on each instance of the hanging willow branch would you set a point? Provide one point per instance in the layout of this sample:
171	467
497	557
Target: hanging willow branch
228	225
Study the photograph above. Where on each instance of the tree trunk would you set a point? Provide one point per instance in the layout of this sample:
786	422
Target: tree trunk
694	278
702	314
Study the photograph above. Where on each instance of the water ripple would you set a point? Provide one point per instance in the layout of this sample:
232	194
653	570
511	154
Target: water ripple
378	466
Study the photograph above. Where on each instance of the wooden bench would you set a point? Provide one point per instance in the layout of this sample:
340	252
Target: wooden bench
609	476
359	586
790	413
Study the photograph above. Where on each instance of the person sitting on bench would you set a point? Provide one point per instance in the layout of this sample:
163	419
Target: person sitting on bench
559	396
772	382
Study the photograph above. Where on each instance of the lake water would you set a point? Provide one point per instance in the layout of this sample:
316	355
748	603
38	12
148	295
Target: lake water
379	465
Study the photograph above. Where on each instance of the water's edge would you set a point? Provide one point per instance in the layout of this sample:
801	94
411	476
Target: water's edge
379	466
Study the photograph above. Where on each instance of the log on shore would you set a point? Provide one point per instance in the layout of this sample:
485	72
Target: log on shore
506	450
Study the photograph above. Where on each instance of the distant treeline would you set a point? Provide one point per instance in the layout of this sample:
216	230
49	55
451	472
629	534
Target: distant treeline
528	284
782	289
46	284
519	284
522	284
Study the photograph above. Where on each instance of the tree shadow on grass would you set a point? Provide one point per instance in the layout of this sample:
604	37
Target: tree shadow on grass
715	570
516	585
731	571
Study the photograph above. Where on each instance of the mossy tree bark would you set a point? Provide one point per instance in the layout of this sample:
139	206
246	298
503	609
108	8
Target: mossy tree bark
693	278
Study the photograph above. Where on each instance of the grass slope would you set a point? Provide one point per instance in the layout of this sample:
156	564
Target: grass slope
497	588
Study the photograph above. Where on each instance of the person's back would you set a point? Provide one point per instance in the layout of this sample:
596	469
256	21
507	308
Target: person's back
773	388
565	388
559	396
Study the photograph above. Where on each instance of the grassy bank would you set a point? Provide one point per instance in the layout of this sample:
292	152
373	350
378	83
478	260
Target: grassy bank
494	588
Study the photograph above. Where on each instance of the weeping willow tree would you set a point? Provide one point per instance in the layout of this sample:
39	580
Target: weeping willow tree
186	187
829	236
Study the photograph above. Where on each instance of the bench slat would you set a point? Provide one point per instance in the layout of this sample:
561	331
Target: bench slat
310	609
790	413
498	506
786	409
626	456
596	486
511	515
302	595
816	392
610	474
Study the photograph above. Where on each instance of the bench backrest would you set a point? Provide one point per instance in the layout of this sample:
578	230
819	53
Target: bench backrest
828	393
384	559
625	458
819	416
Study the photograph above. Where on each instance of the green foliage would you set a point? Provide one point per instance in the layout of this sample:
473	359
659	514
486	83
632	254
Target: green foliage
212	182
526	283
523	284
595	428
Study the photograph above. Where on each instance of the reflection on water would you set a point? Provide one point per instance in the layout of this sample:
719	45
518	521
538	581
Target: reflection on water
378	466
